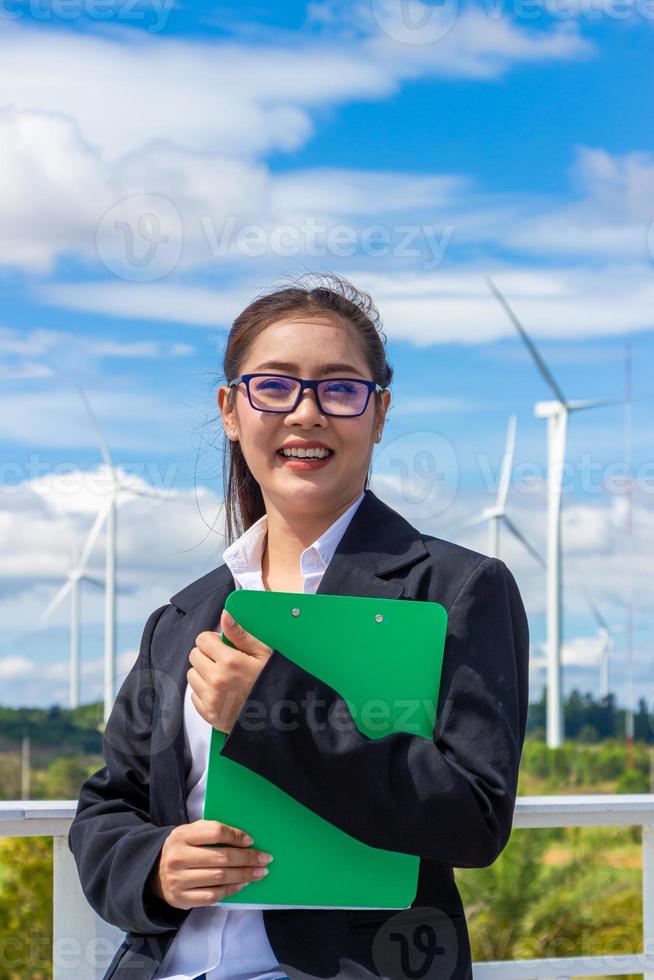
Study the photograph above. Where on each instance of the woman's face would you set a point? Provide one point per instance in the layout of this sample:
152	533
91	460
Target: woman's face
304	348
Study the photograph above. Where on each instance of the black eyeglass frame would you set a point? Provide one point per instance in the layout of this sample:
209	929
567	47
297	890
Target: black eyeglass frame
305	383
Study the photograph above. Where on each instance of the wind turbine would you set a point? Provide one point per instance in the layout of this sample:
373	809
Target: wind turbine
556	412
496	515
72	585
606	634
109	513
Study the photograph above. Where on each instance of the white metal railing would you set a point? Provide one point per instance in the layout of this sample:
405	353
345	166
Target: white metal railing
83	943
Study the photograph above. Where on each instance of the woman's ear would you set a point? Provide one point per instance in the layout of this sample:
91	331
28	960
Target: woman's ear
227	412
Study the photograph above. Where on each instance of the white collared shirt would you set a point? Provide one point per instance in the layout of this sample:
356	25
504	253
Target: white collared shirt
224	943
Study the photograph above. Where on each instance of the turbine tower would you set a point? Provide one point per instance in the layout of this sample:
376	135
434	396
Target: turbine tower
556	412
72	585
605	634
118	486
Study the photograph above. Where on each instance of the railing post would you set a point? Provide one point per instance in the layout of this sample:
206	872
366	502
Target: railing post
648	894
83	944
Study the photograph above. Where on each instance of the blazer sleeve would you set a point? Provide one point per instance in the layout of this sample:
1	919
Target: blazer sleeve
115	845
449	798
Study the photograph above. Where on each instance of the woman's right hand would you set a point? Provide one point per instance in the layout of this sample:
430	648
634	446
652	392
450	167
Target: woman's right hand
188	873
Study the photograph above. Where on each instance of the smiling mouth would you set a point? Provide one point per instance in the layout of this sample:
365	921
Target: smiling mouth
307	455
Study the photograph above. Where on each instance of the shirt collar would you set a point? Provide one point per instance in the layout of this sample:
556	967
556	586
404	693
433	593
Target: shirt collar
245	554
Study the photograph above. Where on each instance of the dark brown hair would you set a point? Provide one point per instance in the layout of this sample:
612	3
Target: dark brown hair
328	294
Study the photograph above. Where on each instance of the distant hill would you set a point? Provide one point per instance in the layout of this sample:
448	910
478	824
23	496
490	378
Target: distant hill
80	729
72	730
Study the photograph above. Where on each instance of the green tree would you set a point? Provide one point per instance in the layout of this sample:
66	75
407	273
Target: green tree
497	898
585	907
632	781
26	908
64	777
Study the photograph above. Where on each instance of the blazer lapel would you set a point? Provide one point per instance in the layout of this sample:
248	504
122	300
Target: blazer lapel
377	542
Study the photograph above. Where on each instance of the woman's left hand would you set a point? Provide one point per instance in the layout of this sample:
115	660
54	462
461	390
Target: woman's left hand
222	677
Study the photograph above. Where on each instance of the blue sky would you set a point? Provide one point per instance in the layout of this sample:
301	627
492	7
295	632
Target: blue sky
502	139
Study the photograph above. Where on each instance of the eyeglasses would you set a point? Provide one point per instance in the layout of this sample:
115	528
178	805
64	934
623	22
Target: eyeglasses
282	393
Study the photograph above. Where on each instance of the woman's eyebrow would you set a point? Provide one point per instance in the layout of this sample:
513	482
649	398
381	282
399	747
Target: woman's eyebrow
323	369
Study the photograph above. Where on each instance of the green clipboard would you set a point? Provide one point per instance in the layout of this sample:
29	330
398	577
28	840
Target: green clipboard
384	656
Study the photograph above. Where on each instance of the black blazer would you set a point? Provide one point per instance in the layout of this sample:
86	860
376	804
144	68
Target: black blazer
449	800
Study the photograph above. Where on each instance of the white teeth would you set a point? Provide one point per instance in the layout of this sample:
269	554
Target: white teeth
309	453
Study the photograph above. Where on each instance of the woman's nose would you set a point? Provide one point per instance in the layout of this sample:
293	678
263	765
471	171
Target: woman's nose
307	407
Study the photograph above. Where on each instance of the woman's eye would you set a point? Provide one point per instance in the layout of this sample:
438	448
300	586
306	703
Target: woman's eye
272	386
340	386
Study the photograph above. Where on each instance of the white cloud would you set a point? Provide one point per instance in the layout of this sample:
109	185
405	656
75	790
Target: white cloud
455	305
478	44
190	120
13	667
55	417
43	353
162	547
597	558
214	207
585	527
243	98
452	305
161	544
36	683
53	185
26	371
610	219
194	94
427	295
446	39
56	190
582	651
337	192
194	305
431	404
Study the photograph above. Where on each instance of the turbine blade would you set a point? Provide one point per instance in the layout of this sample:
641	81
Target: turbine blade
599	619
102	442
507	465
54	602
477	519
626	629
523	541
531	347
92	537
123	488
579	405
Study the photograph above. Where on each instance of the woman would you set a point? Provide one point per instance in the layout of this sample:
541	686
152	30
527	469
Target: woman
304	525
